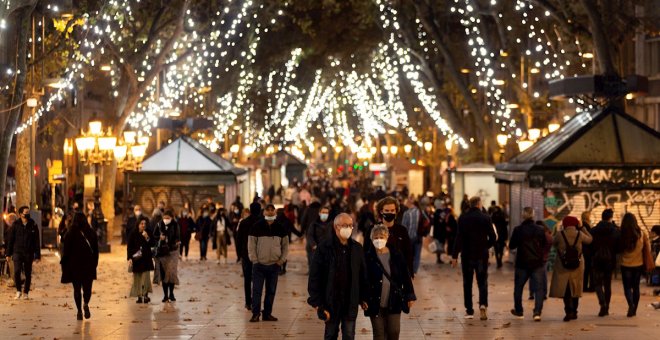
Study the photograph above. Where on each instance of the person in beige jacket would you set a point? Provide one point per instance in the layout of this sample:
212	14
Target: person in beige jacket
632	241
567	283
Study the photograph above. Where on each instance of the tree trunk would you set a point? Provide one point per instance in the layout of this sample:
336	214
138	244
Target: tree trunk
107	187
600	40
23	170
23	16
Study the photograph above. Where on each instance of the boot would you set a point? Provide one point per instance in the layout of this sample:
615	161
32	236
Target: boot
604	311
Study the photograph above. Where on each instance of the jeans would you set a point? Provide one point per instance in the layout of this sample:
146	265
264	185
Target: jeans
630	277
261	274
602	282
203	247
247	280
417	254
570	303
470	268
521	276
386	326
544	284
332	329
499	252
22	263
86	287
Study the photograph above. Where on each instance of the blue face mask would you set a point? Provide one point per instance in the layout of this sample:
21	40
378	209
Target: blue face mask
324	217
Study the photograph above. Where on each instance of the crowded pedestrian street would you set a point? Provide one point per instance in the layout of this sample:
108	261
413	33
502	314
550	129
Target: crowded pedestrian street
209	306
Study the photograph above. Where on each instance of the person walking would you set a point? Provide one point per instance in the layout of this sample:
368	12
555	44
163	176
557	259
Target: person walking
317	233
139	255
168	234
603	261
412	219
390	288
221	234
568	272
588	281
133	221
80	257
632	241
268	247
388	209
23	248
242	234
498	216
529	238
187	225
204	225
474	238
440	228
337	281
533	286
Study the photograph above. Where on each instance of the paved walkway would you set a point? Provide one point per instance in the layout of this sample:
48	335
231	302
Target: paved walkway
210	306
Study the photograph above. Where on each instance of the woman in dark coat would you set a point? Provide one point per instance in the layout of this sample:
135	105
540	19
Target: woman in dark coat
80	257
203	231
168	234
390	286
138	253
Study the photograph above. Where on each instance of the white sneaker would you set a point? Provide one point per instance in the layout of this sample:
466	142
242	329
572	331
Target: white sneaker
26	297
18	296
469	316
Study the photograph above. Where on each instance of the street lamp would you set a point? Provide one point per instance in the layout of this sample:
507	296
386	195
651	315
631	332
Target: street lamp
501	141
394	149
525	144
428	146
95	148
534	134
407	148
131	151
552	127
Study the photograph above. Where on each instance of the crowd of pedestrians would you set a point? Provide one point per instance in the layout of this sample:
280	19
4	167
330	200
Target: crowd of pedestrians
363	251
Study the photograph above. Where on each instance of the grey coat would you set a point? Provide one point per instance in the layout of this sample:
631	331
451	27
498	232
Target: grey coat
561	277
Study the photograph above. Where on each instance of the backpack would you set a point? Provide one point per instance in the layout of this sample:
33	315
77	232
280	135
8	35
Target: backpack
424	225
570	257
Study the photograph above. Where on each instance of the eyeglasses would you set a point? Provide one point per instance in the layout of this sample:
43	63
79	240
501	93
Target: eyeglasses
345	226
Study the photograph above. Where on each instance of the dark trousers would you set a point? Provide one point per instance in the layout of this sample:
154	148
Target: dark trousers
417	254
386	326
630	276
185	243
570	303
246	264
470	268
261	274
533	286
332	329
22	263
602	281
588	280
203	247
499	252
86	288
520	278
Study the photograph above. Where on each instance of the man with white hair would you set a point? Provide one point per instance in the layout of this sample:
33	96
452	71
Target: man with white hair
337	280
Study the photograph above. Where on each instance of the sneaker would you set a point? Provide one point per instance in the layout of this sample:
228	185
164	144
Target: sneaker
26	296
519	315
482	313
18	296
269	318
537	317
255	318
469	316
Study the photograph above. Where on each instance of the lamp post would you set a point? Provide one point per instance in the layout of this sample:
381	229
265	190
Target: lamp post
95	148
501	141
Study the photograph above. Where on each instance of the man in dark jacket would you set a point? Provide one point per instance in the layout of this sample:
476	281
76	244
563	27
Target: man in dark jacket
337	280
268	247
603	247
242	233
530	240
498	217
23	248
317	233
475	236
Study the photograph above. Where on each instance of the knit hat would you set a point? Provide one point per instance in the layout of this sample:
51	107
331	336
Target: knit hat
570	221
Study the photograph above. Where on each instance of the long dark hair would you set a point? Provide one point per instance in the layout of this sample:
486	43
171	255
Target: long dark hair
79	222
630	232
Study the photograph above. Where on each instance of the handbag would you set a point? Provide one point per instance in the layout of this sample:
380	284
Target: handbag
649	264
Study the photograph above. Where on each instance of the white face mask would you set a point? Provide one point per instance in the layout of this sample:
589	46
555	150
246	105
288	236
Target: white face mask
270	218
167	221
324	217
345	232
379	243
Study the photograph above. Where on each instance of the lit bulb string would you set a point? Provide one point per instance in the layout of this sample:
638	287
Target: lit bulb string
389	22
